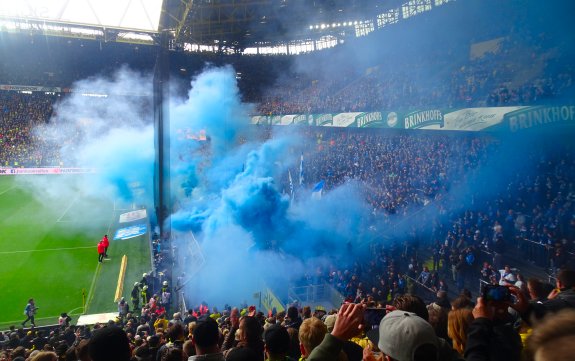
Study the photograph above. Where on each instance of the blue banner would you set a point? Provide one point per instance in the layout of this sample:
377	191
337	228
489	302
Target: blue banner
131	232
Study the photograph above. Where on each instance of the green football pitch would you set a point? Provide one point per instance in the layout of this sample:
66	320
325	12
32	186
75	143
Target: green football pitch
48	252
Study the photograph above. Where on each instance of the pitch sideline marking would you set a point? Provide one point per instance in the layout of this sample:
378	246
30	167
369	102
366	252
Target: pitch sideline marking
47	249
93	285
7	190
43	318
67	209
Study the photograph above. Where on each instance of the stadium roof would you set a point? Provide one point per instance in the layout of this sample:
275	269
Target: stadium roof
143	15
238	26
243	23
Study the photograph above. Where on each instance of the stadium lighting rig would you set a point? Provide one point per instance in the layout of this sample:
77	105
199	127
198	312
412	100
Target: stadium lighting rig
333	25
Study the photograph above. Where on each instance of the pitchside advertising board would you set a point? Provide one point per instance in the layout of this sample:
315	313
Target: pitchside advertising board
510	119
28	171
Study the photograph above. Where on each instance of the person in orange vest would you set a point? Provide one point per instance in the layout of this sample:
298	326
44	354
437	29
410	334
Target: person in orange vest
101	251
106	243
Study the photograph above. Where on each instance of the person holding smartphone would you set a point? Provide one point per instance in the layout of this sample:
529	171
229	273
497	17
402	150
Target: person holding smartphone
491	336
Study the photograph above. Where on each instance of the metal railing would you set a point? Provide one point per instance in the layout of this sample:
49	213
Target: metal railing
194	262
315	294
308	294
414	286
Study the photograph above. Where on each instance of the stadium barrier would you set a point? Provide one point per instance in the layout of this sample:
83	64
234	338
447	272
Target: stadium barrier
321	294
415	287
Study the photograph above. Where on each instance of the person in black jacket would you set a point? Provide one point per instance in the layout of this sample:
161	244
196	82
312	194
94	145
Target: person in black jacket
491	336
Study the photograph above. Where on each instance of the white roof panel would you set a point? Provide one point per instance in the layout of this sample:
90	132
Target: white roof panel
126	14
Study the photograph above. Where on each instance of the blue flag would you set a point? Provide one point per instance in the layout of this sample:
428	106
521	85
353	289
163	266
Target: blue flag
290	184
317	190
301	170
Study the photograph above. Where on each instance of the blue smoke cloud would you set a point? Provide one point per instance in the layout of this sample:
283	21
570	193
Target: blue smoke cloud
250	232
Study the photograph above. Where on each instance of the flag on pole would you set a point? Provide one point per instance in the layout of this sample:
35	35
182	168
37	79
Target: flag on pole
317	190
290	184
301	170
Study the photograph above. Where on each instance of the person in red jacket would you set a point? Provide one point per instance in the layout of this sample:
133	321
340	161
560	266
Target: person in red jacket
106	245
101	251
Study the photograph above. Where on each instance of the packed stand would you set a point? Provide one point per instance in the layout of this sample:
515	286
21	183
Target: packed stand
527	215
19	115
519	326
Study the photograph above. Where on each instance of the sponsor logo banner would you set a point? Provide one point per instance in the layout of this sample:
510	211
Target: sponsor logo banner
29	88
131	232
344	119
424	119
24	171
378	120
475	119
468	119
323	119
541	116
133	216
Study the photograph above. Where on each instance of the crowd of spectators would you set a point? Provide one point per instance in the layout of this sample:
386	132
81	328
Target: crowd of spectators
496	79
399	169
526	215
524	326
19	115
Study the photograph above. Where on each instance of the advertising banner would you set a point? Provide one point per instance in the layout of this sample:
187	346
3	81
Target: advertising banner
378	120
133	216
25	171
539	116
30	88
131	232
510	119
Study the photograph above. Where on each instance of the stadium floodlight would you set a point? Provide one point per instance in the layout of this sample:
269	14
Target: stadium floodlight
122	14
322	26
311	27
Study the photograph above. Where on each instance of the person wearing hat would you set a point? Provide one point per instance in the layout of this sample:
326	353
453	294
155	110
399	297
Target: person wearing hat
144	280
135	295
144	295
165	300
165	287
404	336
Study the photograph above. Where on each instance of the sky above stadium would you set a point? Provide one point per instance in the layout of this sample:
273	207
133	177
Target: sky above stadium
126	14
